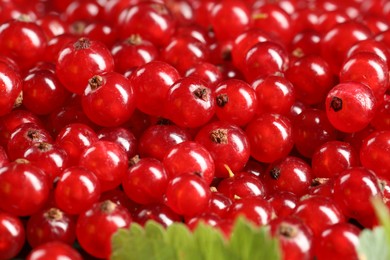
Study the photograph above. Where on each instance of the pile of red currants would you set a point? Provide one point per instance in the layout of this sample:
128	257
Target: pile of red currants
115	112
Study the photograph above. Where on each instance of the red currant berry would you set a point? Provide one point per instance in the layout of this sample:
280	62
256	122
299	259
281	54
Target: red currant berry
74	139
79	61
189	158
233	96
54	251
294	236
255	209
156	212
291	174
50	225
107	160
270	137
350	106
339	241
190	103
96	226
109	99
187	195
275	94
12	235
153	95
332	158
357	205
374	155
146	181
77	189
157	140
227	144
283	203
25	188
10	88
122	136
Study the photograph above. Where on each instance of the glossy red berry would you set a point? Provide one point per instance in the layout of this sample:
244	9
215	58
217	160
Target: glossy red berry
79	61
319	213
233	96
255	209
291	174
239	21
374	155
76	190
369	69
332	158
350	106
294	236
189	158
227	144
109	99
187	195
12	236
151	20
107	160
96	226
283	203
311	128
25	188
270	137
74	139
22	41
158	139
312	79
10	87
133	52
122	136
146	181
54	250
50	225
357	206
160	213
190	103
43	92
338	241
275	94
153	95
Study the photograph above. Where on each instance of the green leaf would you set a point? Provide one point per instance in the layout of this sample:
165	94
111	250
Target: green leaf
177	242
210	242
248	242
373	245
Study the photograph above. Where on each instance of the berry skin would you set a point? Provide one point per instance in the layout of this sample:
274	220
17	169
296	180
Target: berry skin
290	174
294	236
374	153
10	88
357	205
189	158
79	61
54	251
109	99
227	144
108	161
350	106
233	96
187	195
12	236
152	82
339	241
96	226
77	189
146	181
190	103
157	212
255	209
270	137
25	188
50	225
